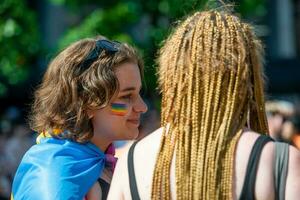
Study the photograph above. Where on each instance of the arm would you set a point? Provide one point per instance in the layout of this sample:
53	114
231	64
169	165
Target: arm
293	177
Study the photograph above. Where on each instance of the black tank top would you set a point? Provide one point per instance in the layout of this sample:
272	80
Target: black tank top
249	182
132	181
104	188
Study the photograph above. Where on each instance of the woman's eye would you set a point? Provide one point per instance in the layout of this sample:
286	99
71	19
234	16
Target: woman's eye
127	97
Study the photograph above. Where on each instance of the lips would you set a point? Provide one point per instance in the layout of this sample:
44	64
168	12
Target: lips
136	122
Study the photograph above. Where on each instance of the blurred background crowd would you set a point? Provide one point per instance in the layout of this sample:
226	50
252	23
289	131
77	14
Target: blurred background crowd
33	31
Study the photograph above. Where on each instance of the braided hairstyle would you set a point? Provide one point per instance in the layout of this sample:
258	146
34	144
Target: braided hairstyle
211	79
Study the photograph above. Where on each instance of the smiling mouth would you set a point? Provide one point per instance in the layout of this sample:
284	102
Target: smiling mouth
134	121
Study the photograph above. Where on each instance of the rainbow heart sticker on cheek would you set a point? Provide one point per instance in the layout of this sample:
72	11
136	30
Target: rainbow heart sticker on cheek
119	109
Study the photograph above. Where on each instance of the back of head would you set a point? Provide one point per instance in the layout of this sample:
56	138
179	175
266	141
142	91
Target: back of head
211	79
79	78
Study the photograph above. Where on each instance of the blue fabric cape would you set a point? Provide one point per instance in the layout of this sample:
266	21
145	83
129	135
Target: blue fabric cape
57	170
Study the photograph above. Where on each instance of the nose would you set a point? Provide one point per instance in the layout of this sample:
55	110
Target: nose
140	106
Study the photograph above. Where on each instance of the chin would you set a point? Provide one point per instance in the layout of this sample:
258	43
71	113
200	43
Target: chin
131	135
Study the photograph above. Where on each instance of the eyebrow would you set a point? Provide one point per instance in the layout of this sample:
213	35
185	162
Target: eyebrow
128	89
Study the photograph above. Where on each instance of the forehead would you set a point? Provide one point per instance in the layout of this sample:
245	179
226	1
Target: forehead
128	75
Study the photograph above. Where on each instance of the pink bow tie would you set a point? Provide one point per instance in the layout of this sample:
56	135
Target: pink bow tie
110	159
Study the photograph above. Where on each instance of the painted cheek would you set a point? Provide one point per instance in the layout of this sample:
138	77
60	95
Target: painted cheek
119	109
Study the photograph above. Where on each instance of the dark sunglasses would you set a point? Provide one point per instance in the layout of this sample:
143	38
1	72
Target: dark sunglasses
106	45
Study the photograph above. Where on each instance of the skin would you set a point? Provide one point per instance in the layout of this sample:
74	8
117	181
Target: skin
264	186
109	127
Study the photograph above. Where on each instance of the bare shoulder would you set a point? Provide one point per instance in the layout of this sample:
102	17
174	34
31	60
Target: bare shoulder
150	141
294	163
294	157
153	137
247	141
264	186
144	158
149	146
264	180
293	177
249	137
267	154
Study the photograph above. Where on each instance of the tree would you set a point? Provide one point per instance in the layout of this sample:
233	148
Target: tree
142	23
19	42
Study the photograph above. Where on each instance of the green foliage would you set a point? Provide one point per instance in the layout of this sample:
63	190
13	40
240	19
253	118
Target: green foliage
109	22
144	24
252	8
176	9
19	43
123	20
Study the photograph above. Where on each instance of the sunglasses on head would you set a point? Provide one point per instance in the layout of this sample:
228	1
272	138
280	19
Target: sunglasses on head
101	45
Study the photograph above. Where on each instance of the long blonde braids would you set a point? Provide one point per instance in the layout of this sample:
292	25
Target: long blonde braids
210	74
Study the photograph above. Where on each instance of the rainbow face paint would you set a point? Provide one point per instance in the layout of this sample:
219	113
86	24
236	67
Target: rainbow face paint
119	109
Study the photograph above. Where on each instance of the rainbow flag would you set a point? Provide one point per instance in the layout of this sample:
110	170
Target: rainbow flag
119	109
57	169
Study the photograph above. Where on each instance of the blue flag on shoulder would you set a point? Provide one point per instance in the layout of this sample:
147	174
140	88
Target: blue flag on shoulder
57	170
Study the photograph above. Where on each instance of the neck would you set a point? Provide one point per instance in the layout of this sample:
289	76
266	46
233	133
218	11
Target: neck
102	144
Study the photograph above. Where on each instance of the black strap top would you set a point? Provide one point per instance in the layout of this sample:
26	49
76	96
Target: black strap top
250	177
132	180
249	182
281	165
104	188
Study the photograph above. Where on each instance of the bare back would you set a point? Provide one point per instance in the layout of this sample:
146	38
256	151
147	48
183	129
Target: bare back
146	152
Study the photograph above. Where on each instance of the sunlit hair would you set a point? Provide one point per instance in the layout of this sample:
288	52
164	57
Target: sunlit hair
67	91
211	79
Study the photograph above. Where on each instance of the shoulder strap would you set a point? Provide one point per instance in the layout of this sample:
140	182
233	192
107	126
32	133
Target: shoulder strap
104	188
249	182
131	174
281	163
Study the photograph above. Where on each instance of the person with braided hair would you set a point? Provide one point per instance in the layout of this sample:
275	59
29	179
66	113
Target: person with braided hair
213	143
88	98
